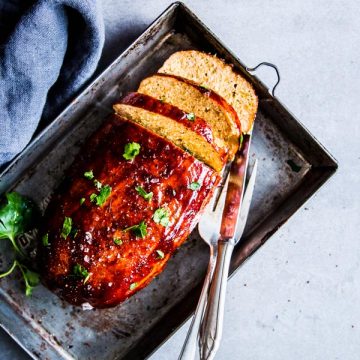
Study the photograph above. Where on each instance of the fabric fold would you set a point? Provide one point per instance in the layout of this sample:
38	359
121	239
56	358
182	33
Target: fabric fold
53	50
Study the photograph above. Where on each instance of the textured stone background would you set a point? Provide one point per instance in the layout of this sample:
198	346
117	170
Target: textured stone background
301	299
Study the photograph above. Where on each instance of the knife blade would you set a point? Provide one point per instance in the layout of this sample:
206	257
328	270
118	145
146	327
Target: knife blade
235	191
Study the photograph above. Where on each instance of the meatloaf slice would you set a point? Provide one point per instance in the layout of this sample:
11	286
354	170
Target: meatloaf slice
183	129
215	74
197	100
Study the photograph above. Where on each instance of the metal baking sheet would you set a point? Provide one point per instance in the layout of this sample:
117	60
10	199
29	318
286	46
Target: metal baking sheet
48	328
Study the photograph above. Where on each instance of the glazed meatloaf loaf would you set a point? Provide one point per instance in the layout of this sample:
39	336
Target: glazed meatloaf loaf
126	204
137	188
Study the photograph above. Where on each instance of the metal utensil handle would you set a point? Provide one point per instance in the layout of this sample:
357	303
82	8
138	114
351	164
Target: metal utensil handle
212	324
264	63
188	351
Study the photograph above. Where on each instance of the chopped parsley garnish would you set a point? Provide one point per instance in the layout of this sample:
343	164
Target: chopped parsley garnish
103	195
160	253
131	150
118	241
194	186
161	216
241	140
133	286
190	116
45	240
66	229
139	230
143	193
89	174
81	271
82	200
98	184
100	199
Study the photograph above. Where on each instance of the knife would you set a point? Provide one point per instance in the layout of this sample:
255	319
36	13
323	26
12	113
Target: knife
232	227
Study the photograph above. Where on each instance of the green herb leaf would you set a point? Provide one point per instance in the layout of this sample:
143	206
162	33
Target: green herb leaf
139	230
133	286
16	217
31	278
98	184
160	253
93	197
118	241
45	240
81	271
11	269
294	167
194	186
161	216
190	116
103	195
66	229
89	174
241	140
143	193
131	150
82	200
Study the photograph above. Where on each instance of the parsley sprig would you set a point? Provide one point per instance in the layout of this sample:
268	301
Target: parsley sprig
161	216
80	271
104	191
31	278
160	253
131	150
133	286
66	228
117	241
147	196
45	240
89	174
194	186
17	215
100	199
140	230
190	116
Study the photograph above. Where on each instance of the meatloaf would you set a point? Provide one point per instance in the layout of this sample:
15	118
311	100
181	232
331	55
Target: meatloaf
185	130
200	101
213	73
129	200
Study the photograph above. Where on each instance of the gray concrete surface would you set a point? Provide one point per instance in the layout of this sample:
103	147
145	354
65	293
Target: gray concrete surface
298	296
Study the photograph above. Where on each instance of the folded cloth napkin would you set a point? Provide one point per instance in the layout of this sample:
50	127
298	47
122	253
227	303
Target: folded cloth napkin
48	49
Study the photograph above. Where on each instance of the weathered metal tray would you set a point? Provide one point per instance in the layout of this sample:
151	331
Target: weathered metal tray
48	328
